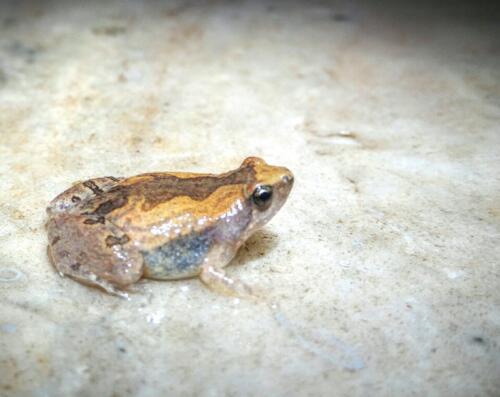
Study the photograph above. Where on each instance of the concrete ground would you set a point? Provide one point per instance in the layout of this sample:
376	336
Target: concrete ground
384	264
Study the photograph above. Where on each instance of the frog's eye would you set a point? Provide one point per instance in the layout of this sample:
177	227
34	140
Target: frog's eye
262	196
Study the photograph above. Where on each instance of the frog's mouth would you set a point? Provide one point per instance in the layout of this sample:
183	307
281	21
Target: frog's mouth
282	191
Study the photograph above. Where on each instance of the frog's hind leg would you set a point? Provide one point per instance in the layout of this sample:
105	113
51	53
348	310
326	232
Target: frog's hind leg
90	279
81	192
98	254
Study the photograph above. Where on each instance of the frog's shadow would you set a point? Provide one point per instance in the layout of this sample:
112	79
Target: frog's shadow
258	245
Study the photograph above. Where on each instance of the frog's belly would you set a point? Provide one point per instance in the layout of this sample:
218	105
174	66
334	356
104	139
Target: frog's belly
178	258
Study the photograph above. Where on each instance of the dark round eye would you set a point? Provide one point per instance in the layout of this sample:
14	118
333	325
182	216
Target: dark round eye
262	195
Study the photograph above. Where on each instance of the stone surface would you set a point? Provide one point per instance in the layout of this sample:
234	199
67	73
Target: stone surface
384	264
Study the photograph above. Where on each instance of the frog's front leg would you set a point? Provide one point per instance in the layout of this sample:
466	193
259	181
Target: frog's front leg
212	274
216	279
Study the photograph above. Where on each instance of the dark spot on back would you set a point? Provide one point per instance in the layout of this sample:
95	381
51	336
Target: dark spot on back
75	266
92	186
110	205
113	240
93	221
75	199
55	240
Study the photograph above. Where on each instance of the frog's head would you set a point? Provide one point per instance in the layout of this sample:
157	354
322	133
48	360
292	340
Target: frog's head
267	192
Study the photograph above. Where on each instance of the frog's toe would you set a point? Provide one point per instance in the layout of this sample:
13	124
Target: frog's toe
217	280
98	282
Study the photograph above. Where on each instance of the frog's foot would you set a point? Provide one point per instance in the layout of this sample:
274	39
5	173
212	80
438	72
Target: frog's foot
96	281
217	280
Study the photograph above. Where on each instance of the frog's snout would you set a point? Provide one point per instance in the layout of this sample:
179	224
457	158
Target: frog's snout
287	179
286	183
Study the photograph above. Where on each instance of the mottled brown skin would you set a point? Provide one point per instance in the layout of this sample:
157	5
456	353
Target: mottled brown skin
110	232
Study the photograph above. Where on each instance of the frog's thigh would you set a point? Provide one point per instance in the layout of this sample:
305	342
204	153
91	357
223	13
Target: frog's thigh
98	254
81	191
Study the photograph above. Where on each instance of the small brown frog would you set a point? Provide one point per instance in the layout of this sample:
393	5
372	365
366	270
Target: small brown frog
110	232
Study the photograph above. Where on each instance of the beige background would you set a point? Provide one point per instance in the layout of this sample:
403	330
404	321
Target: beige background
384	262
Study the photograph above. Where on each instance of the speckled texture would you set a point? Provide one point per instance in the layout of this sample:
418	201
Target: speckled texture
385	260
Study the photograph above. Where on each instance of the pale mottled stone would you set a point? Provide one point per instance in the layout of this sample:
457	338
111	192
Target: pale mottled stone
385	260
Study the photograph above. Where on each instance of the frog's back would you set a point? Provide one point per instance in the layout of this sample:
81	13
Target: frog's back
165	203
72	199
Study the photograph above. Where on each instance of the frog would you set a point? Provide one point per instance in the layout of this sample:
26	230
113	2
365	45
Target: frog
111	232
